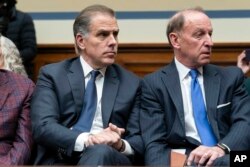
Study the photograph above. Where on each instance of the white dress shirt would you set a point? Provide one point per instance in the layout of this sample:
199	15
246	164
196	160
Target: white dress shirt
97	125
185	82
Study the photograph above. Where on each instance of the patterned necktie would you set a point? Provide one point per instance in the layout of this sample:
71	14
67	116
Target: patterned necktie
199	110
85	120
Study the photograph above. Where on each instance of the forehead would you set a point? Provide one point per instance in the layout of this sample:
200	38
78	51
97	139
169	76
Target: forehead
103	21
197	20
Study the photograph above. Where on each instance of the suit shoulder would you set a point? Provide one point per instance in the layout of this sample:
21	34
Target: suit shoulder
58	65
18	79
227	71
229	74
156	74
122	72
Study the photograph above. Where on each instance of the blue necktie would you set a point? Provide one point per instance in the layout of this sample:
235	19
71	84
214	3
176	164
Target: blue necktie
85	120
199	110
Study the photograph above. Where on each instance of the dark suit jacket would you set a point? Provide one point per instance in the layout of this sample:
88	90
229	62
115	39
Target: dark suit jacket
247	84
15	125
21	31
162	113
58	100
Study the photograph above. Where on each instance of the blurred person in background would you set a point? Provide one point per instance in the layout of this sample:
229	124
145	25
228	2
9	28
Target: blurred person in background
244	65
16	90
15	125
19	28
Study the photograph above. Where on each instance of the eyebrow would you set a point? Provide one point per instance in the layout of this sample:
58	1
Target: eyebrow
105	30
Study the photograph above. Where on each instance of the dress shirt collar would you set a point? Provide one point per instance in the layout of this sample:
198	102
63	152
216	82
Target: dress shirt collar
87	68
183	70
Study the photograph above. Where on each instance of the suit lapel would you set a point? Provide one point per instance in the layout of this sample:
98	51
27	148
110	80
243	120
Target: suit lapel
172	82
7	89
110	89
76	80
212	89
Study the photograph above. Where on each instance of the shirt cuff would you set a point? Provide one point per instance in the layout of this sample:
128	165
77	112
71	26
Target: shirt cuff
224	147
80	142
128	149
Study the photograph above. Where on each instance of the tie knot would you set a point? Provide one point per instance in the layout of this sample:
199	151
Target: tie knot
194	73
94	74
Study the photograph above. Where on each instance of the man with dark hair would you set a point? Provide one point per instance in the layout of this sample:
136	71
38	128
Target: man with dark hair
19	28
85	110
191	106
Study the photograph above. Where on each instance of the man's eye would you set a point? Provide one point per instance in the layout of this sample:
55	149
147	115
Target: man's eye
198	35
115	34
103	34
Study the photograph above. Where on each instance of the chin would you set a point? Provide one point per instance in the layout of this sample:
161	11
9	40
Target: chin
109	62
205	62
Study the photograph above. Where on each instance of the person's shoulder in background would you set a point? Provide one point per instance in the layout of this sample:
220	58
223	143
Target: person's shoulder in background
13	79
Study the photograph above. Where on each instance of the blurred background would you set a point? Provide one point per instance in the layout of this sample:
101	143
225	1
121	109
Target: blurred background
140	21
143	44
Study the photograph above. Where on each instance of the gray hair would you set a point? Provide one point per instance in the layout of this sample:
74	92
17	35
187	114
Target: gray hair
177	21
83	20
10	56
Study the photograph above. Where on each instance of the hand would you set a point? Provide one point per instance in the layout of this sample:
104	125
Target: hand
104	137
114	128
241	63
204	155
119	131
110	136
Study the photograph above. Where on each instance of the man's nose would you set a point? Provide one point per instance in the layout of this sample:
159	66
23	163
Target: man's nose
113	40
209	41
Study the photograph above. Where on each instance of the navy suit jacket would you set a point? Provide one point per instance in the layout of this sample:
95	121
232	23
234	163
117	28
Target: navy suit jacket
58	100
247	84
162	113
15	125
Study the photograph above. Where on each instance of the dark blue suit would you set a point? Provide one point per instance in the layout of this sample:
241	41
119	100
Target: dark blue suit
247	84
58	100
162	113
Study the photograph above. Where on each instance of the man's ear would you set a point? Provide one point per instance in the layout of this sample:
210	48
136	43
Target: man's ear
174	39
80	41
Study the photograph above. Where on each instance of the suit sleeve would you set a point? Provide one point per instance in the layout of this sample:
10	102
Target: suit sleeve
153	127
47	127
133	126
238	137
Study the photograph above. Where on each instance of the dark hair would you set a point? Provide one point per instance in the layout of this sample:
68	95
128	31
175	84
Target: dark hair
8	3
83	20
7	10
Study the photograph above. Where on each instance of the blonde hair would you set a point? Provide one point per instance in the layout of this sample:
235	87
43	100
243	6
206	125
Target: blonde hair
10	56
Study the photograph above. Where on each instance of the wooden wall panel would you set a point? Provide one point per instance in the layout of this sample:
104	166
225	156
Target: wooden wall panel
140	58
